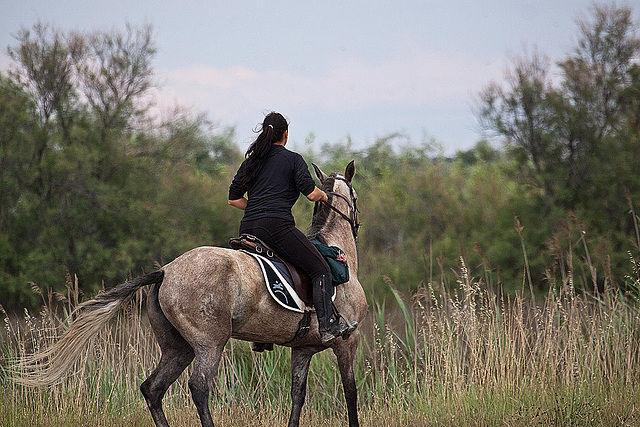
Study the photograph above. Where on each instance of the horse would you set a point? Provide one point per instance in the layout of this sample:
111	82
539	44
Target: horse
208	295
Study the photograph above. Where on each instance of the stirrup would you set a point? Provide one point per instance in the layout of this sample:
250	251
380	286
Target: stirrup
346	328
340	327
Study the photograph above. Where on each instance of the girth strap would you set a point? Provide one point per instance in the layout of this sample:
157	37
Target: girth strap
303	327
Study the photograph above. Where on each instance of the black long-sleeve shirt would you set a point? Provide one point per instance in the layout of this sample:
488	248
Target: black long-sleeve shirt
276	188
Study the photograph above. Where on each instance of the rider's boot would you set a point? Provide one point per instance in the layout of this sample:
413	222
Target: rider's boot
330	326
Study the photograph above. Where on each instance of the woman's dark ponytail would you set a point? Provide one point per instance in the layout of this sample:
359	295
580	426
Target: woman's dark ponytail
271	131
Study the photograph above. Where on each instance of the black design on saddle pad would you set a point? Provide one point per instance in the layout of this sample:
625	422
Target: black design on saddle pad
279	283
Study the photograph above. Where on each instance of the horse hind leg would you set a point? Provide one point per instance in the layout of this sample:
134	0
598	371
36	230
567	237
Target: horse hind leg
171	365
177	354
204	371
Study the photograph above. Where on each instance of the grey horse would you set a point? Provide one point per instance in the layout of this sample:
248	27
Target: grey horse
211	294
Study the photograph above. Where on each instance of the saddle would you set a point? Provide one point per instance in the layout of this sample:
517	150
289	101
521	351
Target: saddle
289	286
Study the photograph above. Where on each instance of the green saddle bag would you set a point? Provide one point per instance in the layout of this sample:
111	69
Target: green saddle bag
337	261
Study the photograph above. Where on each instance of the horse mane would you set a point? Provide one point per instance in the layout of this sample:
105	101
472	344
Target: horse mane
320	214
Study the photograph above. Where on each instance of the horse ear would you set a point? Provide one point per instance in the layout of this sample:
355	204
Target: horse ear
321	175
350	171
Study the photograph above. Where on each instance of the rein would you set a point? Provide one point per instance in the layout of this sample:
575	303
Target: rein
352	219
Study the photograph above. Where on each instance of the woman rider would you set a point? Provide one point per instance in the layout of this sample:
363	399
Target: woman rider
273	177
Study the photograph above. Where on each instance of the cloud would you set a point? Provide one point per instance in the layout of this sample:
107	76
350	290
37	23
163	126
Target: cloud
414	81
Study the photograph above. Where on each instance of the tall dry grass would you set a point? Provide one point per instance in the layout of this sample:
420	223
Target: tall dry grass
465	354
475	353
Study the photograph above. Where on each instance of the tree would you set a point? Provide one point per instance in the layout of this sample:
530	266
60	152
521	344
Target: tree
17	149
86	191
45	68
567	133
595	78
523	114
114	71
577	141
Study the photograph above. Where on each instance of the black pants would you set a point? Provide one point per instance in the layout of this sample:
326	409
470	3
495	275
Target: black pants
290	243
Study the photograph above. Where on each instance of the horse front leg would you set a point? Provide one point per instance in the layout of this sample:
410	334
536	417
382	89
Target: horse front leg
345	352
300	360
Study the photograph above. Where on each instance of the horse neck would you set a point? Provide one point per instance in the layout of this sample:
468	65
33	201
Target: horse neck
336	231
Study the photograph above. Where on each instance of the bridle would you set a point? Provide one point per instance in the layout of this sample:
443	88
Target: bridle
352	218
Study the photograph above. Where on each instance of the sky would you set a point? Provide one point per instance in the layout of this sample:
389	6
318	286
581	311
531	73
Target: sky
337	69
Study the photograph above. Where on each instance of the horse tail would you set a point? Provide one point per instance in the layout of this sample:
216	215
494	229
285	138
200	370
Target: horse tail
49	366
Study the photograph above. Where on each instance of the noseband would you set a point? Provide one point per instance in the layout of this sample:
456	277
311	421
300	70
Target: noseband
352	218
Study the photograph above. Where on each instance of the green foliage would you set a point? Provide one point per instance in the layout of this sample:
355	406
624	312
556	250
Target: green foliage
570	138
576	142
91	186
86	187
421	213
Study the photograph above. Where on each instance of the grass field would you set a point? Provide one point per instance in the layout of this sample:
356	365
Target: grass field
463	354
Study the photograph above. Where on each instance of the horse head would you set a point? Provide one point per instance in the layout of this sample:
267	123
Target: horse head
342	200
